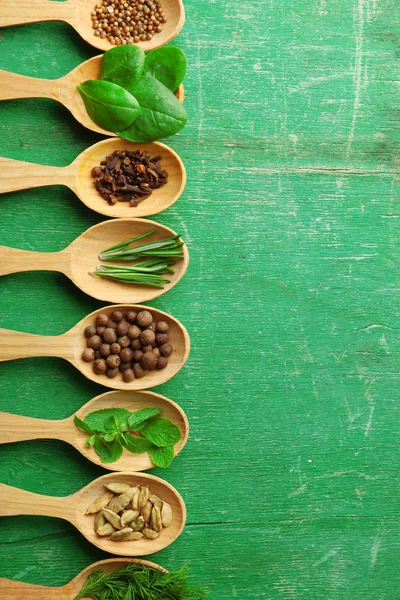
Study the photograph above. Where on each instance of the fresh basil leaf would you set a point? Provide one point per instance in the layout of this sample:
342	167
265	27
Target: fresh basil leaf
138	417
162	432
98	418
108	451
160	115
123	65
83	425
167	64
137	445
162	457
108	104
91	440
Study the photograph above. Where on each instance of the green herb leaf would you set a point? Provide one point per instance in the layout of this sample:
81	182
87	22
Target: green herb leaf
162	457
108	451
98	419
162	432
161	114
138	417
109	105
137	445
83	425
123	65
91	440
167	64
109	437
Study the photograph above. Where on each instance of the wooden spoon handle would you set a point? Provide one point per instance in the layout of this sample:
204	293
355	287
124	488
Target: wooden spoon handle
14	86
14	501
18	175
19	261
35	11
17	590
15	344
16	428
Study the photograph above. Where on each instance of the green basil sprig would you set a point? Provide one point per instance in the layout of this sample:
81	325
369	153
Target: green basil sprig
109	105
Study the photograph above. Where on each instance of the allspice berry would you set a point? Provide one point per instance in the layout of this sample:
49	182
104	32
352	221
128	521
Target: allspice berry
139	371
147	337
99	366
117	316
111	324
105	350
148	361
124	366
122	327
126	355
113	361
137	355
94	342
115	348
133	332
156	351
100	330
111	373
109	336
162	362
136	344
166	350
128	375
144	318
88	354
90	331
162	326
147	348
162	338
124	341
130	316
102	320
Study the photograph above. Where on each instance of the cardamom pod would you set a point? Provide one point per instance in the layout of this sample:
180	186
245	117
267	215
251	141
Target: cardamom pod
146	511
166	514
123	534
132	491
143	496
99	503
120	502
149	534
135	500
128	516
106	529
112	518
137	524
134	536
99	520
155	521
118	488
156	501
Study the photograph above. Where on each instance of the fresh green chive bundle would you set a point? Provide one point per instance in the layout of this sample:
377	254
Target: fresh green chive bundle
150	272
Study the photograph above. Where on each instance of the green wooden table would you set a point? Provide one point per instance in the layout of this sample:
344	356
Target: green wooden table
291	299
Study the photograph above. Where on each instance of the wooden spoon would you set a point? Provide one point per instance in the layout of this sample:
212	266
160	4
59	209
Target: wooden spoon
77	14
17	590
81	257
17	175
15	428
70	345
14	501
13	86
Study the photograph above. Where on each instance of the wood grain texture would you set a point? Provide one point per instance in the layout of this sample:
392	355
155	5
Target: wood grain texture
291	214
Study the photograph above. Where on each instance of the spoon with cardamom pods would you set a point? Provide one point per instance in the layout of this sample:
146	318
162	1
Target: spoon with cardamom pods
64	90
16	428
18	590
81	510
81	258
78	14
17	175
72	346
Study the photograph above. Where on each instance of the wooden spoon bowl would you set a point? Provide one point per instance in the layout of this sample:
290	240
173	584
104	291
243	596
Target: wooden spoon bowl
14	501
17	175
81	258
16	428
63	90
70	346
77	14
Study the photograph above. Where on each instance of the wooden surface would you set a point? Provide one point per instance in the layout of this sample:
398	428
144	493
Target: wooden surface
291	213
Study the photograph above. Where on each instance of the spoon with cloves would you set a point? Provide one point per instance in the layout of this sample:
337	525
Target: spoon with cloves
16	428
64	89
17	175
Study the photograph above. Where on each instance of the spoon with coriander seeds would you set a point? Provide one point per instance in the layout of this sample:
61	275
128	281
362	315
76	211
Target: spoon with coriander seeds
123	347
64	90
82	510
78	13
80	177
16	428
152	263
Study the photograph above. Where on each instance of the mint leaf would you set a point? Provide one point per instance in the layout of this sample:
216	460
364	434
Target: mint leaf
162	432
83	425
91	440
98	419
109	437
162	457
137	445
108	451
138	417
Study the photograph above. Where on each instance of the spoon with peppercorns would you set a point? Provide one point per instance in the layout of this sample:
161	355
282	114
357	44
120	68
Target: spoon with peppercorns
81	258
16	428
82	177
89	17
138	360
64	90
